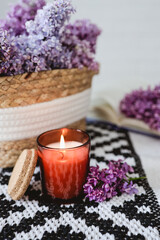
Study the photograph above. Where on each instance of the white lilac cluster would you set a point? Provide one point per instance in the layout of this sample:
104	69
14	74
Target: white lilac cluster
46	42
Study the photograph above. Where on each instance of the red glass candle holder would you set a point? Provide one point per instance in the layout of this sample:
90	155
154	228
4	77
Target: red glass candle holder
63	170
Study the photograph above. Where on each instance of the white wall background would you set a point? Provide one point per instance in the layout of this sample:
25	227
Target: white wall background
129	47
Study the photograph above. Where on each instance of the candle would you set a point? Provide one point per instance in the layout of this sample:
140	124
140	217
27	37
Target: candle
69	144
64	161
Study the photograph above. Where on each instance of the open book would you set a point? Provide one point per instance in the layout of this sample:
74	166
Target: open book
109	110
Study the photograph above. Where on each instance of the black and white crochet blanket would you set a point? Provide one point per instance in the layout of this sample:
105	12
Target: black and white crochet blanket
123	217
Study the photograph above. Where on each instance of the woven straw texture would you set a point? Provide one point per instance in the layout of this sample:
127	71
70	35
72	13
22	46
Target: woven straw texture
31	88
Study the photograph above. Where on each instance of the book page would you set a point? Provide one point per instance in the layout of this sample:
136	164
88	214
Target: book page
137	125
108	105
106	111
113	98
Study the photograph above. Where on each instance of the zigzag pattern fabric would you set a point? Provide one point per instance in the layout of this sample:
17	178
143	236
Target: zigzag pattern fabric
132	217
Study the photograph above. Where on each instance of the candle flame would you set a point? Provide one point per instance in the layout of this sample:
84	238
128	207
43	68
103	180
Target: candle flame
62	142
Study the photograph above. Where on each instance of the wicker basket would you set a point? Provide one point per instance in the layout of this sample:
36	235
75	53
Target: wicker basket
32	88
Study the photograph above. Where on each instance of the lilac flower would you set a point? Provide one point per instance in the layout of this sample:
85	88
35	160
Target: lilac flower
46	55
94	171
108	182
35	37
143	105
82	30
129	188
97	195
16	54
19	15
112	192
5	47
126	168
88	188
6	52
49	20
81	38
93	181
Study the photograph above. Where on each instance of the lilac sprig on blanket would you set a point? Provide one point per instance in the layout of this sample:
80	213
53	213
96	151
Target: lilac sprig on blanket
143	105
109	182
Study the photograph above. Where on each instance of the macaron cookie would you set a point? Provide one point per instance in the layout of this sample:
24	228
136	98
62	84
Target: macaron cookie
22	173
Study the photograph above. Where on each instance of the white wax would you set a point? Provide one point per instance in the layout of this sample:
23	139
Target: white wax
69	144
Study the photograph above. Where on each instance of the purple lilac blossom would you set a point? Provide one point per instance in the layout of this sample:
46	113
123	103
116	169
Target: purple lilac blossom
19	14
42	42
143	105
49	20
129	187
81	38
5	47
18	55
108	182
6	52
44	36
